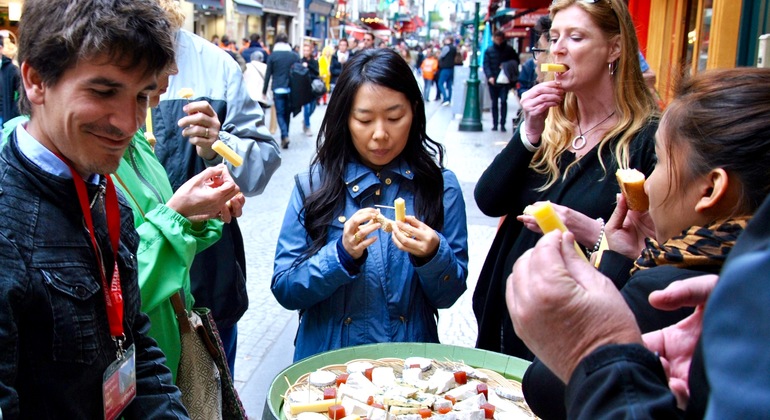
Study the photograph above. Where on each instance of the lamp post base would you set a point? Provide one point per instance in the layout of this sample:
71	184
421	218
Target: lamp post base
472	113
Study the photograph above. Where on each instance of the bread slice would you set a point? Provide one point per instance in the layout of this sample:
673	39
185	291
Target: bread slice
631	184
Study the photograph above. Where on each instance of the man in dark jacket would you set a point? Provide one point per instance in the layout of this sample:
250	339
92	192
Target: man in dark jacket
75	342
279	70
9	87
254	46
446	70
498	55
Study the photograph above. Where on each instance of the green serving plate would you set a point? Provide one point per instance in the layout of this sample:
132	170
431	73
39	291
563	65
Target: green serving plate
507	366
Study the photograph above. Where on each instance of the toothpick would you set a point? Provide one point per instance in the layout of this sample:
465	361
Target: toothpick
384	207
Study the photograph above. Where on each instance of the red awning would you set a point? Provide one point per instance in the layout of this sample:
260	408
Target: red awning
528	4
377	26
530	19
412	25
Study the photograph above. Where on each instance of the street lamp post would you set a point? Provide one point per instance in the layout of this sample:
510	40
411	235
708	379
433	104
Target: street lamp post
472	113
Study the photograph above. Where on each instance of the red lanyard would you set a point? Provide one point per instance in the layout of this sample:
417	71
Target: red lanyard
113	295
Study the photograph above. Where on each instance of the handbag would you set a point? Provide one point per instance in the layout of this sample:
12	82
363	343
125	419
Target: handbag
318	87
502	78
203	377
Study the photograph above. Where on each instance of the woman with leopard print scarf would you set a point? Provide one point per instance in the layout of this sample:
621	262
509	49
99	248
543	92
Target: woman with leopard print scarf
711	176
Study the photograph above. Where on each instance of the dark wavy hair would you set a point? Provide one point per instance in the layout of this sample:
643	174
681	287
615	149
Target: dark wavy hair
335	149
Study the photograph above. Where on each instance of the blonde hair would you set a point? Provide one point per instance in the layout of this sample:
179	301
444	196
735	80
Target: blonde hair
634	104
173	12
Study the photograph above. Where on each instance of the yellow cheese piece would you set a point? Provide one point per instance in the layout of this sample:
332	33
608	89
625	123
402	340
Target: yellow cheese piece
226	152
400	206
314	407
151	139
186	93
351	417
548	220
559	68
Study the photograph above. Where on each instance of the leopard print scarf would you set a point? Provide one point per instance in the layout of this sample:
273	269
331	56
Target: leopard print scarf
699	246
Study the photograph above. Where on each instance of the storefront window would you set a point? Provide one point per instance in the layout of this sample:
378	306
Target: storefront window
698	35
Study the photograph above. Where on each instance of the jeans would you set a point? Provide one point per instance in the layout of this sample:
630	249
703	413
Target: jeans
445	79
499	93
282	112
426	90
229	337
307	111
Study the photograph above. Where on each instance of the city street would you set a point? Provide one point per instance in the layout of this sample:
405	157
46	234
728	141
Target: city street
266	332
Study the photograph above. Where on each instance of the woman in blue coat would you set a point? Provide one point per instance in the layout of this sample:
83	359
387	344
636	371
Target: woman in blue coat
352	282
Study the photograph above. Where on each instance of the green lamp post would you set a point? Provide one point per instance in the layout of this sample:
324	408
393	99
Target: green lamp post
472	113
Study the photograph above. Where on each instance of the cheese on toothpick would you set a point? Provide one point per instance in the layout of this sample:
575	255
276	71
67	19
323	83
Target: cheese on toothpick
226	152
186	93
400	206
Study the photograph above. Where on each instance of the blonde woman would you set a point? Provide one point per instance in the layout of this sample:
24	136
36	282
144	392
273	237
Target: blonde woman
324	64
577	129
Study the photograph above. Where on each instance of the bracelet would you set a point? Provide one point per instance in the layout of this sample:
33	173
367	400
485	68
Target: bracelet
601	237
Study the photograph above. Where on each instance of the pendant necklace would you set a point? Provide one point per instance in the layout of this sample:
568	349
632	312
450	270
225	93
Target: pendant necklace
580	141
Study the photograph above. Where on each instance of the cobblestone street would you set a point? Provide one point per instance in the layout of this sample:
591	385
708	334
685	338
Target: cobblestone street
266	332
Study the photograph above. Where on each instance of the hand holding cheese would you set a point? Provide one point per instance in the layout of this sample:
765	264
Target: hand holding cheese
201	126
548	220
208	195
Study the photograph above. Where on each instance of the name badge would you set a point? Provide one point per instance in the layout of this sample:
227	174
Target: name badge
119	384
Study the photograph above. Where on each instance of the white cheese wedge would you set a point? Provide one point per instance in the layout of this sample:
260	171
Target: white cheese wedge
472	403
470	415
353	417
355	407
401	402
509	394
464	391
383	377
448	416
378	414
359	382
441	382
409	417
474	374
359	367
346	390
441	403
321	378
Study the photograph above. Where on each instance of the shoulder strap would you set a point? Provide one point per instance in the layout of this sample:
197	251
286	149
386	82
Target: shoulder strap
300	188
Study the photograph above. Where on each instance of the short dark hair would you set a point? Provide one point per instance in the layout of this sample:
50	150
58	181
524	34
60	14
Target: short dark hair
54	35
499	34
254	38
543	27
281	37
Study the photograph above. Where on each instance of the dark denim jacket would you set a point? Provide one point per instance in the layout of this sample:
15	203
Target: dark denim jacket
54	334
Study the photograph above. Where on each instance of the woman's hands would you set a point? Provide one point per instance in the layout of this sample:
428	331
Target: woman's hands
536	102
412	235
627	229
212	193
585	229
355	233
416	238
201	127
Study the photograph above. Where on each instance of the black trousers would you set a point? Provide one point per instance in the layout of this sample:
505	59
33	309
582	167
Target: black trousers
499	93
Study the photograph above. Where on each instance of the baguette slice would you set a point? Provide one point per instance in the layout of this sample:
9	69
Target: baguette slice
631	184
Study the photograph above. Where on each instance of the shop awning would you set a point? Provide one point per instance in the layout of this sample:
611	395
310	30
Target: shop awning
504	14
248	7
320	7
377	26
412	25
209	3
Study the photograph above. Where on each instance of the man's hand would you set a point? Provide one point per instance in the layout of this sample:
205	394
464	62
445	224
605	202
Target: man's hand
201	127
563	308
206	196
676	344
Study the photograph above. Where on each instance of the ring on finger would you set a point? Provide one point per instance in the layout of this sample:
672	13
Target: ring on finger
207	132
358	238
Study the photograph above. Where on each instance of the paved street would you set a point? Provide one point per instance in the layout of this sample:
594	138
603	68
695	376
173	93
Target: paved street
266	332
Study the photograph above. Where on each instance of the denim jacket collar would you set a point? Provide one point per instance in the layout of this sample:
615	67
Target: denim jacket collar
359	178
